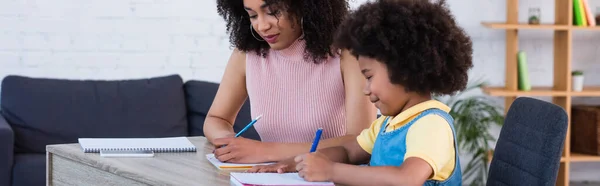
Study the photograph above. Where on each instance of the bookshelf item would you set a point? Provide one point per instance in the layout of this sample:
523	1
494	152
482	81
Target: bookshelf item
534	16
586	124
524	83
598	15
589	16
579	13
567	14
578	80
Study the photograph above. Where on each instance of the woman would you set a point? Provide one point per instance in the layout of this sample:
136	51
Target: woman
285	64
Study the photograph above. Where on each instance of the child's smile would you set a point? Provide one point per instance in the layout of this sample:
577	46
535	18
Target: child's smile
388	97
382	93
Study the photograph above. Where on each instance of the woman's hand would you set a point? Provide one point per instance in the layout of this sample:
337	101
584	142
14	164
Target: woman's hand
242	150
314	167
280	167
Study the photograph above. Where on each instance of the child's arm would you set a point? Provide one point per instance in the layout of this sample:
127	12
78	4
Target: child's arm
330	165
350	152
429	146
414	171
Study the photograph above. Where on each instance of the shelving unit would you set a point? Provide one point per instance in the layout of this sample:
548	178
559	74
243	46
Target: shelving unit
560	92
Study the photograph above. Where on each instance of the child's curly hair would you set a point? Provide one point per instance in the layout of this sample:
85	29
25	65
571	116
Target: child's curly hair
419	42
320	19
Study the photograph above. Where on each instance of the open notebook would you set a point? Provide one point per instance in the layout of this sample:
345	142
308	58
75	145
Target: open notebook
271	179
168	144
222	165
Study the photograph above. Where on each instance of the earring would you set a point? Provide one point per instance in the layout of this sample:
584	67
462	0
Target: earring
302	28
252	32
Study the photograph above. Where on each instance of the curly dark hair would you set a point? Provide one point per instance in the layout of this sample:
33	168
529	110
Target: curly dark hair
320	21
419	41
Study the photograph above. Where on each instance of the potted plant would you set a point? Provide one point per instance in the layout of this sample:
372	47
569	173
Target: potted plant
474	116
577	80
534	16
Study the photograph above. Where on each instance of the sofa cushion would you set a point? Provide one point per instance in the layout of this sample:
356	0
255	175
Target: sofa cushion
199	98
29	169
55	111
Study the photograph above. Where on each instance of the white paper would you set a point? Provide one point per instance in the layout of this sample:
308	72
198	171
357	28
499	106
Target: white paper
221	165
273	179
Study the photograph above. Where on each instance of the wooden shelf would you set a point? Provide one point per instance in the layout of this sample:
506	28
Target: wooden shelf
589	28
560	90
524	26
535	91
576	157
588	91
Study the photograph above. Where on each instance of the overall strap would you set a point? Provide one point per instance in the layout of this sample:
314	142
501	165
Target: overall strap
384	124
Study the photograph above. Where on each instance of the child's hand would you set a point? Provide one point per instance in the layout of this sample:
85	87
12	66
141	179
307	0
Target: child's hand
314	167
280	167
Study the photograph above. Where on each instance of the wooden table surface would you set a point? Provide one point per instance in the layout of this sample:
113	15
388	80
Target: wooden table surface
185	168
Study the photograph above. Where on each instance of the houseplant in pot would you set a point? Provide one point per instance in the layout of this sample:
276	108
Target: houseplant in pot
474	115
577	76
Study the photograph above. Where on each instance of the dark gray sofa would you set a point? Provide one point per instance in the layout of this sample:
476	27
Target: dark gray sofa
36	112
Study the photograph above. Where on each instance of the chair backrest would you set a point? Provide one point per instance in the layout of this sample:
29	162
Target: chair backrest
530	145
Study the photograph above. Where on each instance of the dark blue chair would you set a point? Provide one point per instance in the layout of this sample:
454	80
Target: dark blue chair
530	145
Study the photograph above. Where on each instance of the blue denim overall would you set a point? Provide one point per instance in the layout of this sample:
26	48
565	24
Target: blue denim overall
390	148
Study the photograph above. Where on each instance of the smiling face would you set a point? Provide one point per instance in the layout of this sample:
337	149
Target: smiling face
390	98
273	26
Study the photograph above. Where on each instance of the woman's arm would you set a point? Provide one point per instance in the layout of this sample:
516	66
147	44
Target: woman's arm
229	99
360	112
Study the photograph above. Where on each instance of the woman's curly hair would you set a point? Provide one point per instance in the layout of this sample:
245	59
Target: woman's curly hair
419	41
320	20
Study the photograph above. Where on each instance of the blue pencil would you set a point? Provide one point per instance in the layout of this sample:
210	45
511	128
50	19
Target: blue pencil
248	126
316	141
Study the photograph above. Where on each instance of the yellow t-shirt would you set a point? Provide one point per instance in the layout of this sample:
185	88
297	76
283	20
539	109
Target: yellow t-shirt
429	138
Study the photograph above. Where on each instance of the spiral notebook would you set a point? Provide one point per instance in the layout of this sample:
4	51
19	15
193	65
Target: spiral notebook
271	179
168	144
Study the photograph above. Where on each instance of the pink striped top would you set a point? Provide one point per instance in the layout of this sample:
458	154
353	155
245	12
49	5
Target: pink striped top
295	96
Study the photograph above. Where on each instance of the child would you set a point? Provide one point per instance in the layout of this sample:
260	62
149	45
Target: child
408	50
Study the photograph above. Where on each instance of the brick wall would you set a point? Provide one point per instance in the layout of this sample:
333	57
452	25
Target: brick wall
112	39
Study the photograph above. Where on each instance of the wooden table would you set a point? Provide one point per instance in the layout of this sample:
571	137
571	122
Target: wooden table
66	164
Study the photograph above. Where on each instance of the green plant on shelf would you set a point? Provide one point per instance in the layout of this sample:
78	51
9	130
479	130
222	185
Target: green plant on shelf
534	16
577	73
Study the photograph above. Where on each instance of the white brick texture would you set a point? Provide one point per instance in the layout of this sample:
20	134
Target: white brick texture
112	39
119	39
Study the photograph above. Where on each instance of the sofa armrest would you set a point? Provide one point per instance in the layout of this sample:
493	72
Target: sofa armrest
6	154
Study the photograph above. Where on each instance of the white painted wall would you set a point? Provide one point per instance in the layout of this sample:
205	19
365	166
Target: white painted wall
118	39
